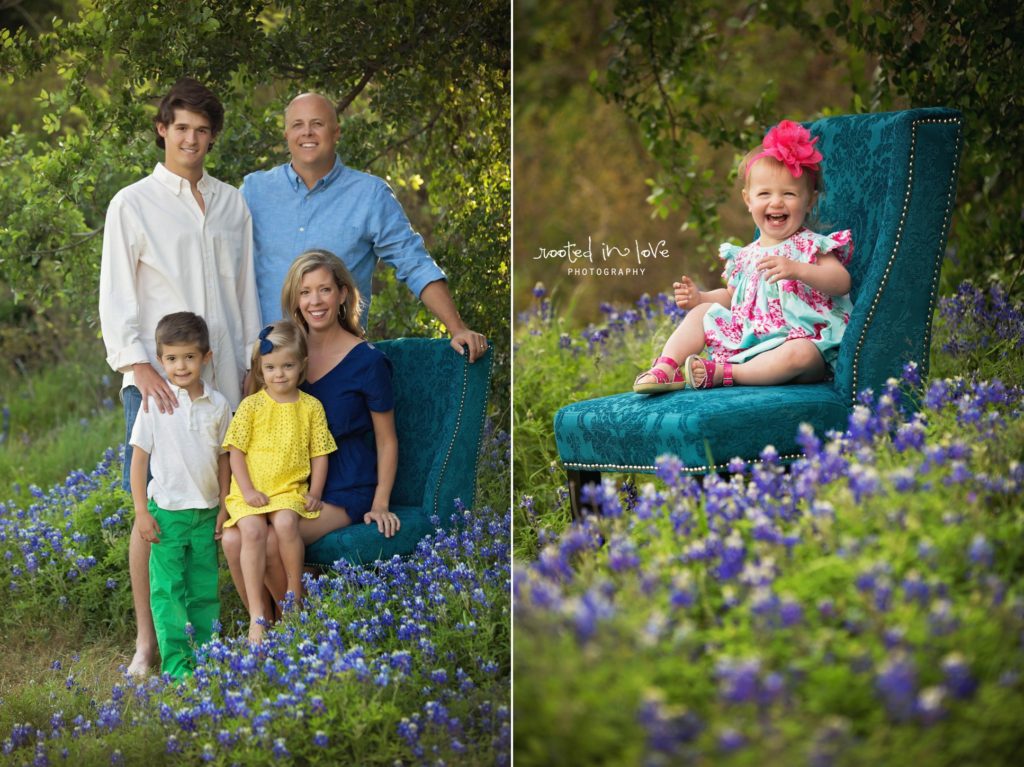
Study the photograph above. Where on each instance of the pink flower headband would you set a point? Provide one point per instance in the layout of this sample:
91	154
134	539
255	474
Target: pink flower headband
792	145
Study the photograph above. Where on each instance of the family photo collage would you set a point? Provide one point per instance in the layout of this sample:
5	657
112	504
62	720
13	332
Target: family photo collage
600	382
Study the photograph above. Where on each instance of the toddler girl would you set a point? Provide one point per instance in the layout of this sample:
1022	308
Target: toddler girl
784	311
278	442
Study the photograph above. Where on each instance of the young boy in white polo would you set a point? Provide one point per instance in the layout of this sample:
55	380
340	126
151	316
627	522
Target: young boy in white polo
181	511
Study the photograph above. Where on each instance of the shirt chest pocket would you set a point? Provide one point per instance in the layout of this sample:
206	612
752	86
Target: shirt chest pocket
227	252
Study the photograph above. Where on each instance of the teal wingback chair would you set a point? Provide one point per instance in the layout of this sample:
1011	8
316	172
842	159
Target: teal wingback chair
891	179
440	404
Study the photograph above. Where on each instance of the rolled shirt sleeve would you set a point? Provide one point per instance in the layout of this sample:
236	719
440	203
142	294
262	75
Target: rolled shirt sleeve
400	246
352	214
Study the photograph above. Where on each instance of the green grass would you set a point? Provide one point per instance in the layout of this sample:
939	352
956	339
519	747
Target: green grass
57	419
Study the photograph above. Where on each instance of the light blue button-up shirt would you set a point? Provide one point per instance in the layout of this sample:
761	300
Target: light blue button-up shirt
352	214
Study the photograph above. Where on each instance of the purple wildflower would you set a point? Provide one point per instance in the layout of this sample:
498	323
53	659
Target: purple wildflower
896	683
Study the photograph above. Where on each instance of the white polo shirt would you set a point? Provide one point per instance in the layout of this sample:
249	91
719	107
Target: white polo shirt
183	449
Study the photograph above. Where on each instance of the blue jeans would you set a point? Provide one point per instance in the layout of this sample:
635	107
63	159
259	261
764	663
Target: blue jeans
131	398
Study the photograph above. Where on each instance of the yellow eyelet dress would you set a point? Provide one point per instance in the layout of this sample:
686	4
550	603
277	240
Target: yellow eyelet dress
278	439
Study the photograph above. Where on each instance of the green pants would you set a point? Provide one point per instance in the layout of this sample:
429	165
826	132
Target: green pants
183	587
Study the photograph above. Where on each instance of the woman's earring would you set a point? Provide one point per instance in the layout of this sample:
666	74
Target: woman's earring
344	311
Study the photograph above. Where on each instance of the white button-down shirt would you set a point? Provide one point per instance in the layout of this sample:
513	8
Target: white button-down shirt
183	448
162	254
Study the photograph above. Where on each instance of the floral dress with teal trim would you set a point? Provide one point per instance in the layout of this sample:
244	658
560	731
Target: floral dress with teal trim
764	316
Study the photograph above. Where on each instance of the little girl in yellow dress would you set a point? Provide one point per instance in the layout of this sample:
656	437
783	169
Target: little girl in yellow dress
278	443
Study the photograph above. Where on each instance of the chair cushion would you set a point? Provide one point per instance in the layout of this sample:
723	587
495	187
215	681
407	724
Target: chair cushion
364	543
705	429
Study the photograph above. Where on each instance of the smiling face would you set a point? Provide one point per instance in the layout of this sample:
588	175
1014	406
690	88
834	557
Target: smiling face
183	364
311	129
320	299
778	202
282	373
187	139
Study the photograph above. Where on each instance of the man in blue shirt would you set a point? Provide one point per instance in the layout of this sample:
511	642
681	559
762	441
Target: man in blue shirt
315	201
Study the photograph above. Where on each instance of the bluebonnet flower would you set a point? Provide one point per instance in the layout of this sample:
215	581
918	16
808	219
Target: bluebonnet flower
911	374
929	706
980	551
896	683
959	680
738	679
280	749
622	554
791	612
941	618
730	739
864	481
827	608
667	728
669	468
592	607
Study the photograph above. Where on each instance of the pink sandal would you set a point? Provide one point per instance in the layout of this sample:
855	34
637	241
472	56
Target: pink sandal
661	382
709	373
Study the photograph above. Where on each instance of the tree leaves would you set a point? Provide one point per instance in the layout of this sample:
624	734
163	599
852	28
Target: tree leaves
426	85
695	77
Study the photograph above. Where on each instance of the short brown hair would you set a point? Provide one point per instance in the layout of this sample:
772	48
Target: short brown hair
182	328
195	97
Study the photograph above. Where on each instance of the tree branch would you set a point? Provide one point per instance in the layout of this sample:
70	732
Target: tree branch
84	237
351	96
402	142
17	6
656	69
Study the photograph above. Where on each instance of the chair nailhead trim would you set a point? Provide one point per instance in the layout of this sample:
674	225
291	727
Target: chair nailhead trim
455	434
896	247
651	468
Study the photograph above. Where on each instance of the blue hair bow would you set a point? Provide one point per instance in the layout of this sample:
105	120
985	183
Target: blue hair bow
266	347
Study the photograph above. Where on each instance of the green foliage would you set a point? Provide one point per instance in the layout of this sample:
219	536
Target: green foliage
626	630
425	85
59	402
555	365
698	77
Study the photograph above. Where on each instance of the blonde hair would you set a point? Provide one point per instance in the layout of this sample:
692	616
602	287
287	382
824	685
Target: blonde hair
305	263
814	183
283	335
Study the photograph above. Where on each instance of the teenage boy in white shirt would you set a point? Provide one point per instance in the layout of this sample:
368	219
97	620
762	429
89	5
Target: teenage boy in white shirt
178	240
181	511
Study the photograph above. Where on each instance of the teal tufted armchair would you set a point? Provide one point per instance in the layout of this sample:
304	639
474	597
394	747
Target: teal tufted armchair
891	179
440	404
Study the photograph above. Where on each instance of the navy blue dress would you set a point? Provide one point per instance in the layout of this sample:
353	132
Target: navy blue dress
357	385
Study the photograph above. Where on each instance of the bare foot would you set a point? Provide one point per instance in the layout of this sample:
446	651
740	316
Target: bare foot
141	663
256	629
